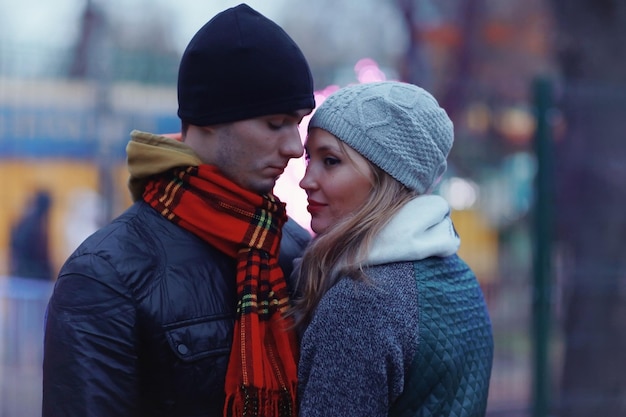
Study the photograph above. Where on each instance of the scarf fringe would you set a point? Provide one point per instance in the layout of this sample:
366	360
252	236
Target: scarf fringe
251	401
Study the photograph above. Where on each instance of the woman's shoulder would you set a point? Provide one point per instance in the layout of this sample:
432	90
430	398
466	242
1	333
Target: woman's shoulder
389	288
379	281
435	266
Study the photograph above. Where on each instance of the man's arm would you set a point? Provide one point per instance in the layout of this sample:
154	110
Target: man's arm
90	359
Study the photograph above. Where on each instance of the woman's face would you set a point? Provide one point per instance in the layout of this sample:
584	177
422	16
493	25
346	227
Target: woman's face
337	180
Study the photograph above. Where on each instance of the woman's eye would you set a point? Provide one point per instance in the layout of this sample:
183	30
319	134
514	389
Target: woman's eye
329	160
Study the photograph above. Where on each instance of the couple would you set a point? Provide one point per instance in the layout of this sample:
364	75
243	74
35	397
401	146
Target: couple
190	303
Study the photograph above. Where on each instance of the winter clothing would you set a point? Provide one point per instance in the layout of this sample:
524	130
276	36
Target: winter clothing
246	226
397	126
414	339
155	297
242	65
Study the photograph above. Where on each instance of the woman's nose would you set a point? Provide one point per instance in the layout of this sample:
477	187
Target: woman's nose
307	182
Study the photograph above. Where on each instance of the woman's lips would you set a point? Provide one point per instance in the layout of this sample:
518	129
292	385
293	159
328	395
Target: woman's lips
314	206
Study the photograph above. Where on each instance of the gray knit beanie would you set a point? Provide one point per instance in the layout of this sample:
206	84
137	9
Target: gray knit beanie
397	126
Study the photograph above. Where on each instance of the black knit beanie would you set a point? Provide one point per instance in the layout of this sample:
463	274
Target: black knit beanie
241	65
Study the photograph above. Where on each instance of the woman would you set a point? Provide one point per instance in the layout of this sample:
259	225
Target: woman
393	322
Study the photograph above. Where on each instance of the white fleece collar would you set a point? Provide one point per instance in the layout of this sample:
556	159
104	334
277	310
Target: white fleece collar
422	228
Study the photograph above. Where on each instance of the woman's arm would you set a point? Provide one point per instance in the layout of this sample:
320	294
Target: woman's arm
351	360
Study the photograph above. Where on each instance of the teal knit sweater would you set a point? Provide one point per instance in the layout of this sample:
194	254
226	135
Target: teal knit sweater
414	340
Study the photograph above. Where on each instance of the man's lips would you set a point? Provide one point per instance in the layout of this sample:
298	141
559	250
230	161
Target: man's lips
276	171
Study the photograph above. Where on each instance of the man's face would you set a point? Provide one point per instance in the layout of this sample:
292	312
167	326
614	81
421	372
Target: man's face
253	153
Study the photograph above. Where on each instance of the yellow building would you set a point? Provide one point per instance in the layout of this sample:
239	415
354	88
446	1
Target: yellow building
61	136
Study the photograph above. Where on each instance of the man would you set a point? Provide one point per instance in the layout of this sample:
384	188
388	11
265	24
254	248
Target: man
175	308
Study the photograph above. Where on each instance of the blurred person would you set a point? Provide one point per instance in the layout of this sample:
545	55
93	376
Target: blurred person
393	322
176	307
29	255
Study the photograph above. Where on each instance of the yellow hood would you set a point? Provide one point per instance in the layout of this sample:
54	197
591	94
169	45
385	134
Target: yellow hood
149	154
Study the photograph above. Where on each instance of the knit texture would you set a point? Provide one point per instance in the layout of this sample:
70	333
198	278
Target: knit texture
415	341
241	65
397	126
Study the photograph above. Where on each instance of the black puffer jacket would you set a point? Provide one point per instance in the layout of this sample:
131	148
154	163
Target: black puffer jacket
141	321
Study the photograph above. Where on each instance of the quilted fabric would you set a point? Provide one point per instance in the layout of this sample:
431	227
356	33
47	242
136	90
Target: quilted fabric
414	339
450	373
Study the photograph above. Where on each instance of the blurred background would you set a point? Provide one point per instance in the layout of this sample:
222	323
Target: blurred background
537	92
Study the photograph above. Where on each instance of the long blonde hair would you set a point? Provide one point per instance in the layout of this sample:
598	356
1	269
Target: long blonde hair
342	249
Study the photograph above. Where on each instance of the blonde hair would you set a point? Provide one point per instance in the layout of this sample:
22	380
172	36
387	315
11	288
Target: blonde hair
343	248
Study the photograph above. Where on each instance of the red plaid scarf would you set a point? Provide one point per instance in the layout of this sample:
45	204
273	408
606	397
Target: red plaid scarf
261	375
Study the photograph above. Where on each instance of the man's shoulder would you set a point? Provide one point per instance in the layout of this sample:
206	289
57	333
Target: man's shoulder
136	221
141	245
295	239
139	232
296	233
